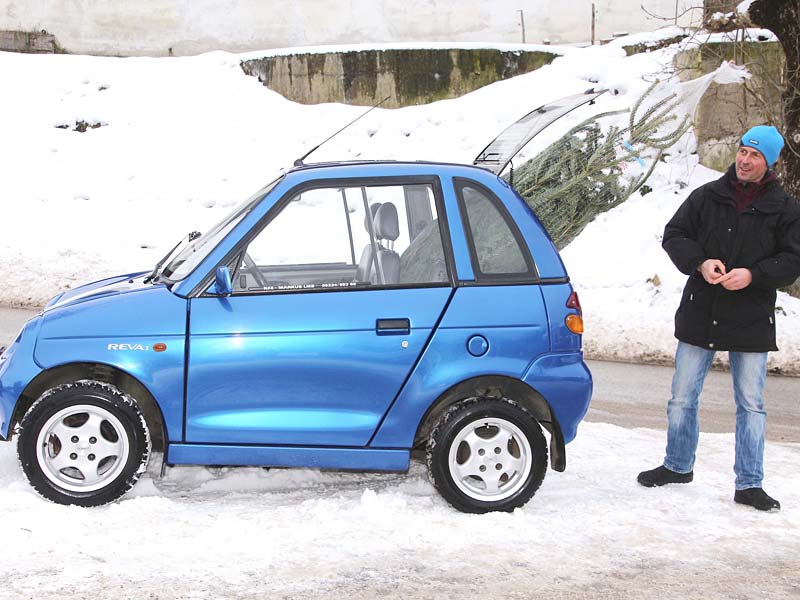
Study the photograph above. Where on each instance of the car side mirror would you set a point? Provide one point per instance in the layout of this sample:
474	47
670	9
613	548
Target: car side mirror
223	286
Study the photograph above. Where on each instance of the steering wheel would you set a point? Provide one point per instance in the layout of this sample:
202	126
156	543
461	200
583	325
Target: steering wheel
253	268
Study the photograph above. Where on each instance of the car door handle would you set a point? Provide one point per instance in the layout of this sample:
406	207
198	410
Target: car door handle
393	326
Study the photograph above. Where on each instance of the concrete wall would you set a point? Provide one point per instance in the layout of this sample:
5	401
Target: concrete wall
30	42
407	77
181	27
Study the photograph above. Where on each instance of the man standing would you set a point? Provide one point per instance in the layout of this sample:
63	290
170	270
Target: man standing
738	240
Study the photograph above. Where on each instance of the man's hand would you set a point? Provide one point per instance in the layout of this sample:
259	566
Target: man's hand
737	279
712	270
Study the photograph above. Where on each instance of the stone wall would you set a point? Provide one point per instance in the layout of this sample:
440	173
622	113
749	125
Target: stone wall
407	77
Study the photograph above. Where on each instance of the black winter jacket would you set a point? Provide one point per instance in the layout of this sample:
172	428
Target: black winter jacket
765	238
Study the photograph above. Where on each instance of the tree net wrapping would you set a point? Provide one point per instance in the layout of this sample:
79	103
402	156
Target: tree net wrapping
600	162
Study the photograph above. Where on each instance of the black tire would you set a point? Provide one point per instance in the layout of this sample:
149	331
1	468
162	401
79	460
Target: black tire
84	443
486	455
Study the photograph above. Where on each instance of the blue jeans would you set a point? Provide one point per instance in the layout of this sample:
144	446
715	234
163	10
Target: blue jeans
749	371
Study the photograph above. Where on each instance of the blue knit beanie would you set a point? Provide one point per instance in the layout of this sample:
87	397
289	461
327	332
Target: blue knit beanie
765	139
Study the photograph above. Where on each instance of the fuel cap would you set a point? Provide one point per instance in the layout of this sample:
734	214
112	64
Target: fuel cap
477	345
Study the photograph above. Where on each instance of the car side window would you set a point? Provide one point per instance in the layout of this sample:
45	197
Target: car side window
496	245
348	237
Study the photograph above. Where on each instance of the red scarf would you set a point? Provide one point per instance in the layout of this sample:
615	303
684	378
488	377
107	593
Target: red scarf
747	192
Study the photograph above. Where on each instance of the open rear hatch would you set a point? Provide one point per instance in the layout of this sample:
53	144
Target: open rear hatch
505	146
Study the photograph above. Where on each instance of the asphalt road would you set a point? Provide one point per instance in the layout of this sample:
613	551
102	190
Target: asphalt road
629	395
636	396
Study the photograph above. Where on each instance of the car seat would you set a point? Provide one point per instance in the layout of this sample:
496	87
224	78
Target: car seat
365	271
387	229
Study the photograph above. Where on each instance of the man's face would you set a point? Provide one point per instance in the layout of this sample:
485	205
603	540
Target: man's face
750	164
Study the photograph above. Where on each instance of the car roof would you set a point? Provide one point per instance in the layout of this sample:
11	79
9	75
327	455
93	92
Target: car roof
354	168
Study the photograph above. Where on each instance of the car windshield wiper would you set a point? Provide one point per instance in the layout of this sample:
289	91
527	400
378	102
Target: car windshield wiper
192	236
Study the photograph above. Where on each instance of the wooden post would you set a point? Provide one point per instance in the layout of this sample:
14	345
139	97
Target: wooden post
593	20
522	22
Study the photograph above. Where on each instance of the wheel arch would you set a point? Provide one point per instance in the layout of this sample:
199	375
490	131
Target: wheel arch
100	372
499	386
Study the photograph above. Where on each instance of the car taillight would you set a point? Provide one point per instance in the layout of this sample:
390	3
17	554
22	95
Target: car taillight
574	302
574	323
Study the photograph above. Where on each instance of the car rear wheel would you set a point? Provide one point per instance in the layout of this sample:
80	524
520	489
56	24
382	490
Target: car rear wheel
487	455
83	443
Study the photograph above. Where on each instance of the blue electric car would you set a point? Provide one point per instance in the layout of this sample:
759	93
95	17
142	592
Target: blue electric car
344	316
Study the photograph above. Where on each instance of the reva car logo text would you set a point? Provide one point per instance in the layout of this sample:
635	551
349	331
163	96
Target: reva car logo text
137	347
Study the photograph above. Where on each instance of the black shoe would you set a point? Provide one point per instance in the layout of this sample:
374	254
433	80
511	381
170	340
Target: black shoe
757	498
662	476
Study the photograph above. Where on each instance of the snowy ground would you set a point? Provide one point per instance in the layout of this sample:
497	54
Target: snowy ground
184	139
591	532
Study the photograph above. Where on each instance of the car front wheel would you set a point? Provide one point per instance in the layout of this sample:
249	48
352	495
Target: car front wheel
487	454
83	443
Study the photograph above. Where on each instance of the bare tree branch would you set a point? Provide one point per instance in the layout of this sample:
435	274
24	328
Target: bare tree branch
672	18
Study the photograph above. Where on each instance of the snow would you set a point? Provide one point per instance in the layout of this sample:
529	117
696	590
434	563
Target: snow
589	532
653	37
503	47
184	140
750	34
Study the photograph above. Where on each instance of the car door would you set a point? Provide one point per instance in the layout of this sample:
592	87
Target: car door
335	297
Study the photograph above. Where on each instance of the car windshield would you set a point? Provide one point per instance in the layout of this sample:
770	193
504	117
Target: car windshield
194	252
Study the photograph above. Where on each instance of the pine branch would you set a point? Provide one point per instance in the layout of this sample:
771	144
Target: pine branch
582	174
